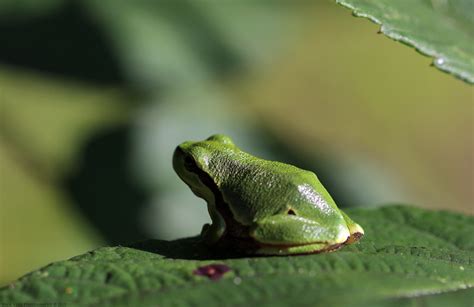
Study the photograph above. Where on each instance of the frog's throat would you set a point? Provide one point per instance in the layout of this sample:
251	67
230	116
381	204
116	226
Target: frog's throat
232	228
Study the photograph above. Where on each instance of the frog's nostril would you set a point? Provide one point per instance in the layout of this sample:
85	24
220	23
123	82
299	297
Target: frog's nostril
291	212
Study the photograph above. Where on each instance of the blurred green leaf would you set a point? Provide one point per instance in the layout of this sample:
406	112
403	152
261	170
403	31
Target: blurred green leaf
67	41
408	256
443	29
104	189
14	9
176	44
43	124
48	119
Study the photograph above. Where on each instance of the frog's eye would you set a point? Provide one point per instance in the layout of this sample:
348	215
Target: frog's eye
189	162
291	212
221	138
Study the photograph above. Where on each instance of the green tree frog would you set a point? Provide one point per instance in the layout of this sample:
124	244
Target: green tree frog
259	206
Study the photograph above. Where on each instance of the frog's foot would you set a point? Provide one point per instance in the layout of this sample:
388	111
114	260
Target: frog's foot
356	233
355	230
210	234
354	238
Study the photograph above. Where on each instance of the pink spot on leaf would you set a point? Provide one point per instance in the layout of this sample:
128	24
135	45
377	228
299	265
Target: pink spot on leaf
212	271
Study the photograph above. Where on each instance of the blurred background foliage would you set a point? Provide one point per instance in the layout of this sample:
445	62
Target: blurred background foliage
95	95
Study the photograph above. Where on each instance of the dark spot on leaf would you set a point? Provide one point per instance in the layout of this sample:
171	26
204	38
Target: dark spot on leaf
291	212
212	271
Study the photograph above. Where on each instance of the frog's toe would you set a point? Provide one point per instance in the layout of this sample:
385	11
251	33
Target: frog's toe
210	234
356	232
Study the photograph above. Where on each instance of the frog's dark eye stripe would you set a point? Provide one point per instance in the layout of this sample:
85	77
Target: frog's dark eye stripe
189	163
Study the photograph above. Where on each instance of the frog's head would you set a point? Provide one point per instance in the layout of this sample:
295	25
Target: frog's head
190	159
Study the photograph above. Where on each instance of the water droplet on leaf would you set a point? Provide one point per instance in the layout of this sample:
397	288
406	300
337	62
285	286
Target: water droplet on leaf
237	280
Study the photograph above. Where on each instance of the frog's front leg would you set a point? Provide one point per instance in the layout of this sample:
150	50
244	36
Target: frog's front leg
211	233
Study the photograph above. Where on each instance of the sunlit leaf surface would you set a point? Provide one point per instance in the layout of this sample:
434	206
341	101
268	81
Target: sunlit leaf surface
408	256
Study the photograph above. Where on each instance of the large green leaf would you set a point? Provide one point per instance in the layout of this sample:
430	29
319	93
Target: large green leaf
441	29
408	256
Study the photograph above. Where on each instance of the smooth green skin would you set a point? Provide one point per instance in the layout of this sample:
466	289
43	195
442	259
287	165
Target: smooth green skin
285	209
